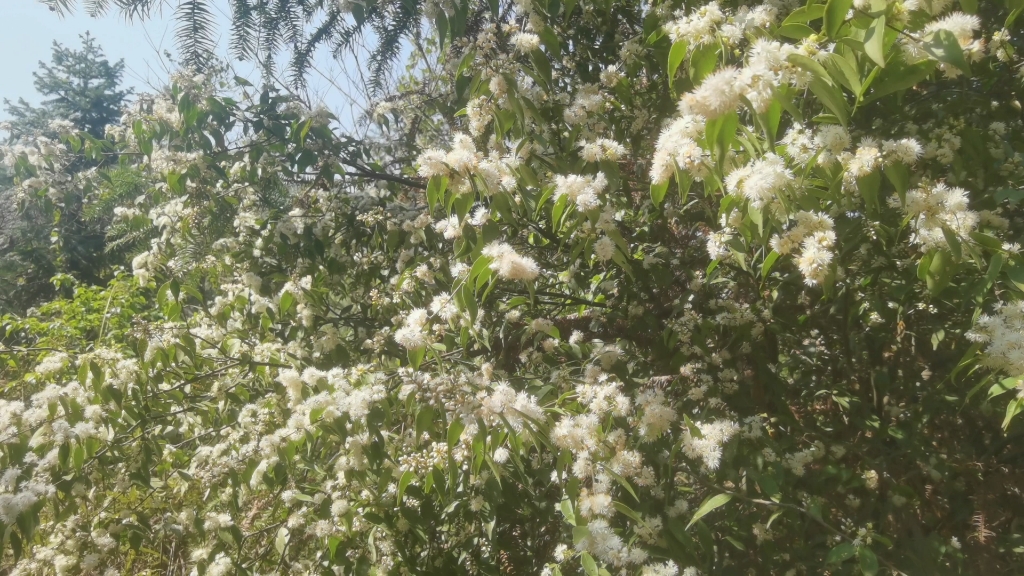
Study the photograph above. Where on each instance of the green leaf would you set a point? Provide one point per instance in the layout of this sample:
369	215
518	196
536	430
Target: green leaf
1012	409
441	23
823	87
969	6
589	566
953	242
896	78
78	456
922	266
899	176
406	479
455	432
868	561
768	263
675	58
769	486
707	506
1016	275
424	420
810	65
287	299
622	482
1003	386
835	15
1013	15
566	508
416	356
1011	195
567	9
868	186
542	65
874	41
736	543
843	72
840	553
987	240
725	132
436	187
658	192
702	61
832	98
796	31
622	508
174	182
551	42
805	14
939	272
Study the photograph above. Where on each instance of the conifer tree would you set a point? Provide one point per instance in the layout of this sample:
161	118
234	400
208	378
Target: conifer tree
81	90
80	86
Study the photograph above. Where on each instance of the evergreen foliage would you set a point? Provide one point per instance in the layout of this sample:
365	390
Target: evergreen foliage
668	288
79	86
81	93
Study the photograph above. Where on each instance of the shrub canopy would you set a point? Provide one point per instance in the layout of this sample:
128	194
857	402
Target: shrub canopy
619	288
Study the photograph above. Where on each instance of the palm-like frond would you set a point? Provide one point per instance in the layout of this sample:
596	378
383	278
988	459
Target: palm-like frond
302	55
61	7
263	29
195	33
244	30
138	9
96	8
390	33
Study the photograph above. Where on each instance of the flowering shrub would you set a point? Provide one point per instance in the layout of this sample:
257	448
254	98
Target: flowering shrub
679	289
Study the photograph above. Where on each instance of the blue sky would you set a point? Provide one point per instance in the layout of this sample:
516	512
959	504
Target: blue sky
30	30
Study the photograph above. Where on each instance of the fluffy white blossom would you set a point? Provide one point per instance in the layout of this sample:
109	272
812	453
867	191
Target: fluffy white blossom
933	208
509	264
708	447
585	191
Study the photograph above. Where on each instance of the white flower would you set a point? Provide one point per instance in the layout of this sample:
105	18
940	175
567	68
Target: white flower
216	521
760	181
907	151
961	25
935	208
717	244
1003	331
602	149
443	306
449	227
54	362
583	190
708	448
657	416
509	264
718	94
221	566
412	334
525	42
432	163
604	248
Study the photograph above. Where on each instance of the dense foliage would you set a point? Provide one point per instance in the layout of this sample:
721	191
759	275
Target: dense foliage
624	288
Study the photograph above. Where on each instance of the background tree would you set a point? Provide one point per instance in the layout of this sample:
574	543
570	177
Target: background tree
79	86
81	93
